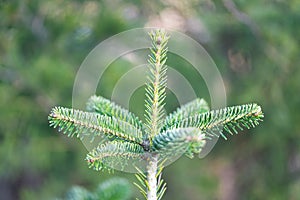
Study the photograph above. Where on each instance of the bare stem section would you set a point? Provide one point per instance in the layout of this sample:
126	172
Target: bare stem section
151	178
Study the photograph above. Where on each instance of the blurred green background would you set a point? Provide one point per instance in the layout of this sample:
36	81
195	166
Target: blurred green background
255	45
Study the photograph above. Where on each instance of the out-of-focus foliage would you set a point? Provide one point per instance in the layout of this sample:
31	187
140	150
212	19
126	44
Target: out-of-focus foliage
255	44
112	189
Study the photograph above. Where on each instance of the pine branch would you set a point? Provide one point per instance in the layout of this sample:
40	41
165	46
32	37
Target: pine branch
194	107
173	143
156	87
78	123
104	106
155	96
115	154
230	119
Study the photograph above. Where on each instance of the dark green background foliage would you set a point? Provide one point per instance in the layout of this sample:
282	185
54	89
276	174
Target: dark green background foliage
255	45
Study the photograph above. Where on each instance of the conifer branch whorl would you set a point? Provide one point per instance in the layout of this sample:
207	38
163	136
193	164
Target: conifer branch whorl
124	141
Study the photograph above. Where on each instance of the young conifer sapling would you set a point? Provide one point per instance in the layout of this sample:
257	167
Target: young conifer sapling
125	137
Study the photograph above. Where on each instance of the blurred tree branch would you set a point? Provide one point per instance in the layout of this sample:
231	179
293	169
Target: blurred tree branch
242	17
